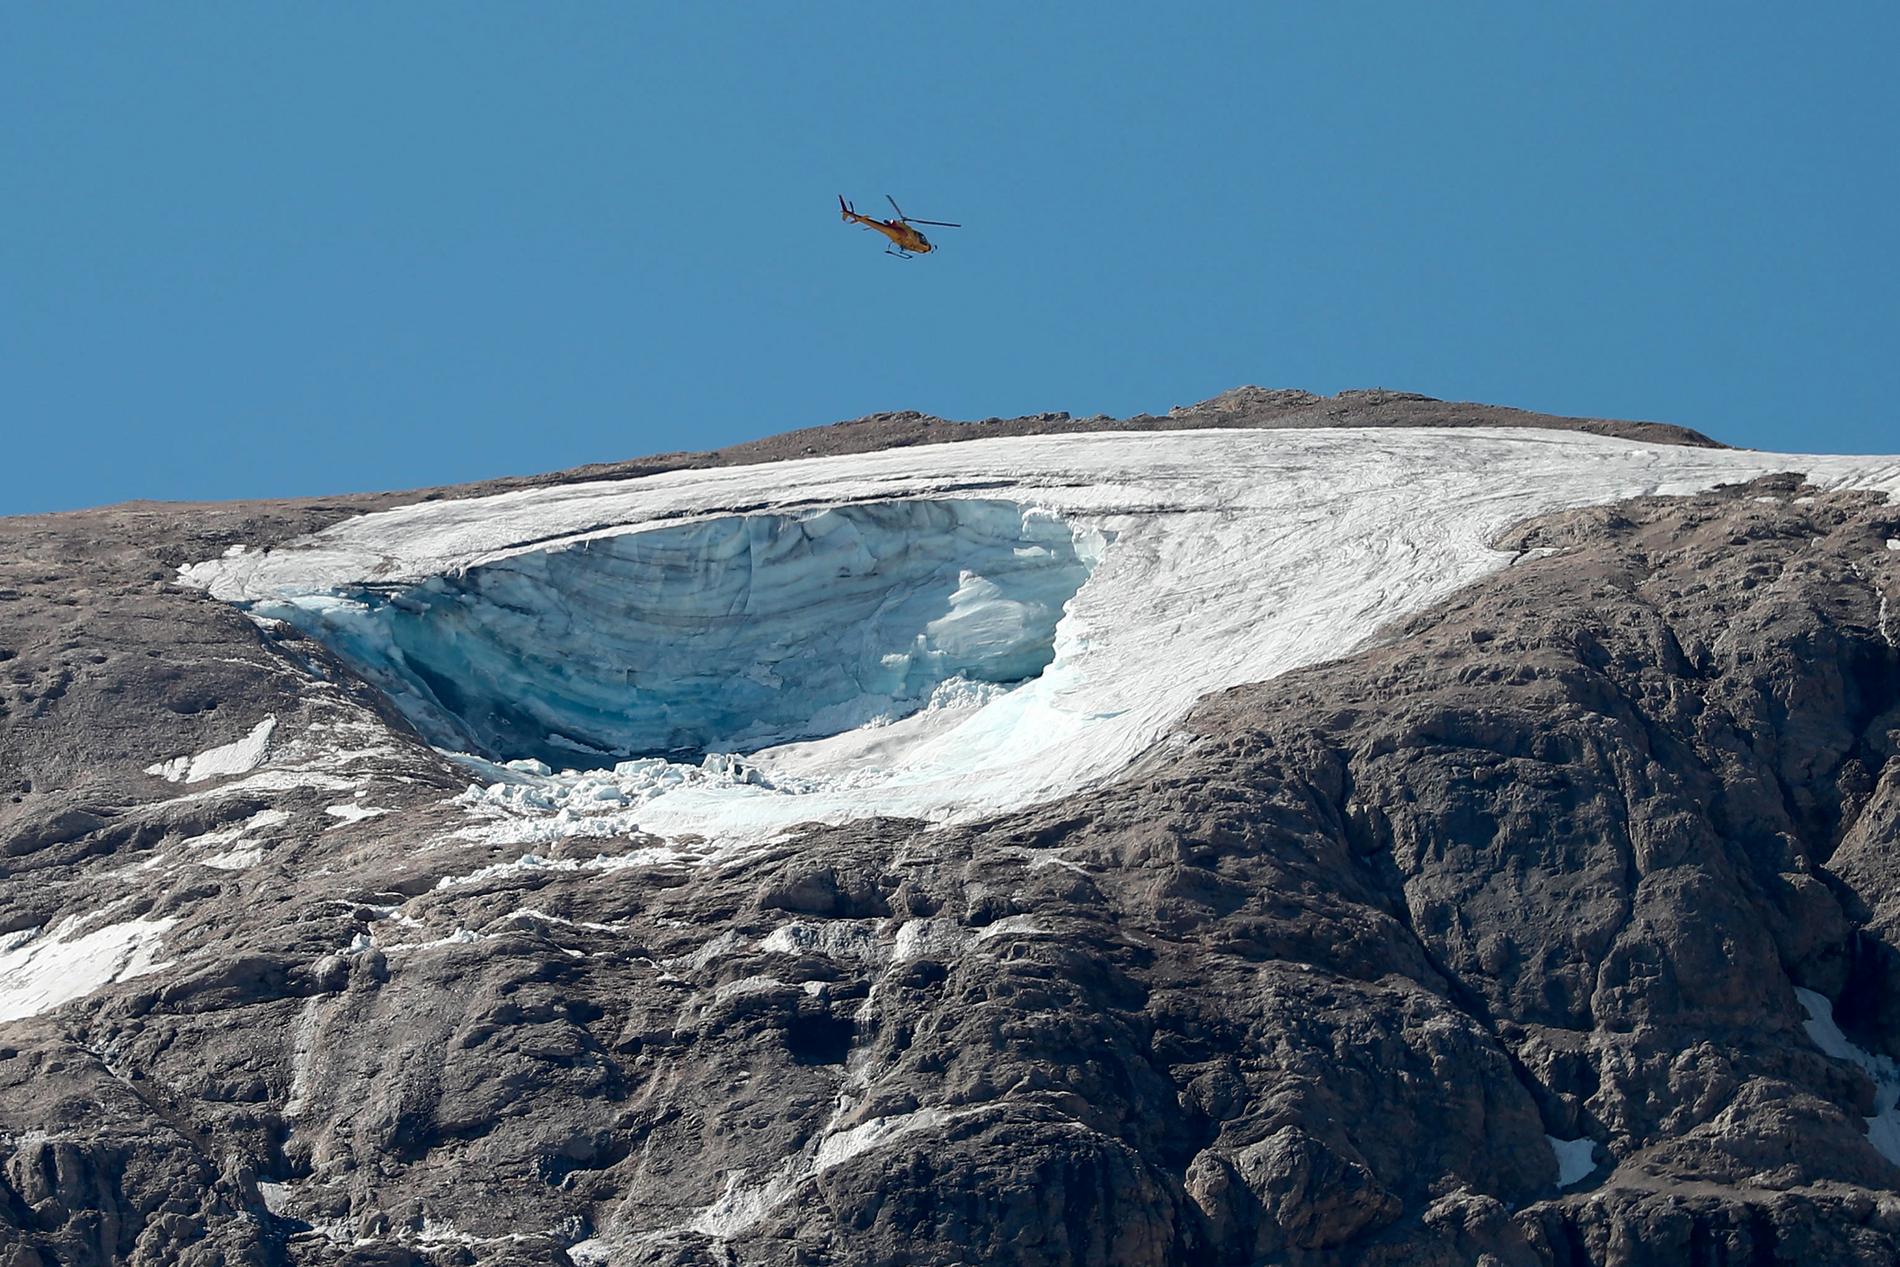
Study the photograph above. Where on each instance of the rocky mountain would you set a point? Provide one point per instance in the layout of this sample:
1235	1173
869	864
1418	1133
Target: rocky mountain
1361	830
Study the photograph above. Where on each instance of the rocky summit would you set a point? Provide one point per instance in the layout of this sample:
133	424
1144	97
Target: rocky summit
1291	830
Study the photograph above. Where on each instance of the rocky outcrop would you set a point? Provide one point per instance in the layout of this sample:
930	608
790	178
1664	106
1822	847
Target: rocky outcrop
1318	982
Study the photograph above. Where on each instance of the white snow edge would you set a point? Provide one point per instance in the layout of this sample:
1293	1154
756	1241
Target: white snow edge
238	757
1883	1128
1576	1159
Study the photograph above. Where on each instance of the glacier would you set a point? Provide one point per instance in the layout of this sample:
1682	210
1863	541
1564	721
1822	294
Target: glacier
726	635
1055	606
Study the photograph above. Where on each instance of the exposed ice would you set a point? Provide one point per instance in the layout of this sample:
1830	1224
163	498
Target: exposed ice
238	757
1225	557
726	635
40	972
1576	1158
1883	1128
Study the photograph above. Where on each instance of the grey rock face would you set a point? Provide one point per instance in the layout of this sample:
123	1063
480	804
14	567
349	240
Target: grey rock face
1313	987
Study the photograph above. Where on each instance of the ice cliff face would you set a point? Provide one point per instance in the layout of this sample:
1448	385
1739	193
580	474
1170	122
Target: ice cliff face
1185	840
727	635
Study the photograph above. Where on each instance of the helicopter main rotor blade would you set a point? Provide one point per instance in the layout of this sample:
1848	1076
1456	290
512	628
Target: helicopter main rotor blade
942	224
894	207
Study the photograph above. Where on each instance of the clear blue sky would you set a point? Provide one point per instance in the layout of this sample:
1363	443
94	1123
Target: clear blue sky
268	249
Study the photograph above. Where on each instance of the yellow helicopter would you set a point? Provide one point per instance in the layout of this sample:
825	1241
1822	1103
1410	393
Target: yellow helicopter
906	239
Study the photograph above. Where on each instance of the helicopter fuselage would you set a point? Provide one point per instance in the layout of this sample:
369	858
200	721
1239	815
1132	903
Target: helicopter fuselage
902	236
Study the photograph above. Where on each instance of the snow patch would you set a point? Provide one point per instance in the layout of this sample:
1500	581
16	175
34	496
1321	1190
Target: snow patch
529	912
745	986
1883	1128
460	937
234	860
303	1053
260	821
741	1205
841	1146
1013	926
271	781
351	812
238	757
276	1196
1576	1159
833	939
245	852
932	938
37	974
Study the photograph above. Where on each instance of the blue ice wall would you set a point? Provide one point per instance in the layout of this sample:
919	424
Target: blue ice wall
725	635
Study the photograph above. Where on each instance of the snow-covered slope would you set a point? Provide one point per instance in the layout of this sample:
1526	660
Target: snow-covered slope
566	618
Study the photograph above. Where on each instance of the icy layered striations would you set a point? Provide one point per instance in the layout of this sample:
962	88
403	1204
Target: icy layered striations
726	635
1229	557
